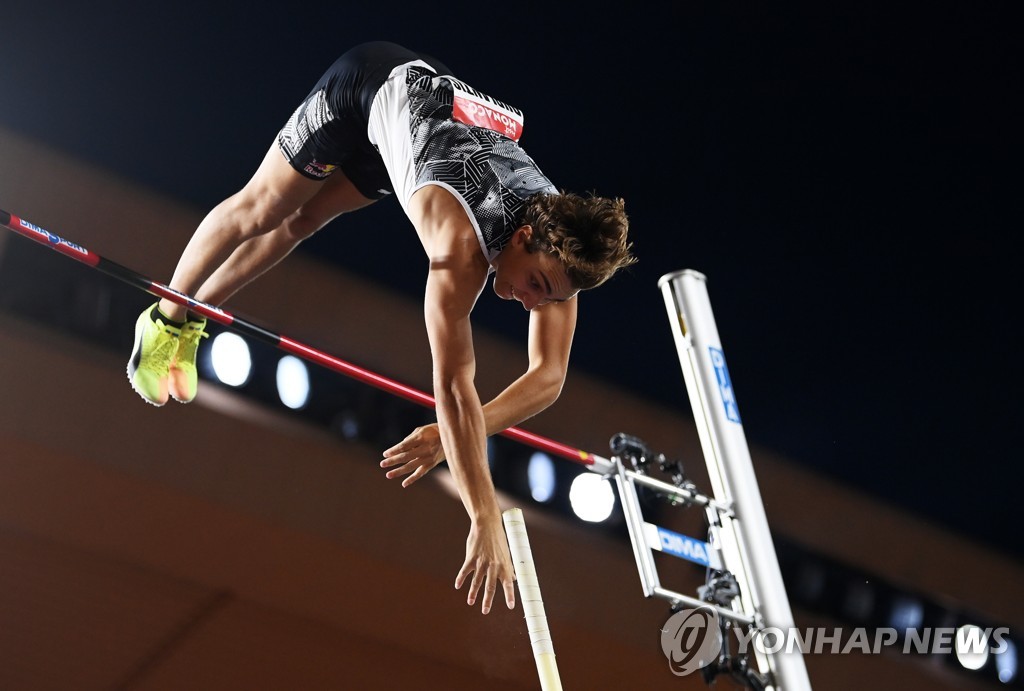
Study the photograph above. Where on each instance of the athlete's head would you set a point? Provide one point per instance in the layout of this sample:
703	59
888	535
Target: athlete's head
586	234
565	243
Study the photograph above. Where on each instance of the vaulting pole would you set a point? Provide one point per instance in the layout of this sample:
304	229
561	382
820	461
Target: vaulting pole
533	604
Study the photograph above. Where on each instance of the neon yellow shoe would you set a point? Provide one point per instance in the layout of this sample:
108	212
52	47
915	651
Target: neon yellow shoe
155	346
184	381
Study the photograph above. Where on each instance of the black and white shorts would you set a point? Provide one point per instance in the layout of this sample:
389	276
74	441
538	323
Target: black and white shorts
329	129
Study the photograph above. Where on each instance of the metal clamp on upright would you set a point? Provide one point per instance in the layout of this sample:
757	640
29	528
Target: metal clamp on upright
647	537
641	457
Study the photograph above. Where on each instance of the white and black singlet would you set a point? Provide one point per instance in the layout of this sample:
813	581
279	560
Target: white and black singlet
395	121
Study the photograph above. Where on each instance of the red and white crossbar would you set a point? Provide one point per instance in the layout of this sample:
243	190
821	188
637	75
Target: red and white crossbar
289	345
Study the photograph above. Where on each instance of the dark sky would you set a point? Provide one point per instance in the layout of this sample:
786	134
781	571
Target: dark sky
842	172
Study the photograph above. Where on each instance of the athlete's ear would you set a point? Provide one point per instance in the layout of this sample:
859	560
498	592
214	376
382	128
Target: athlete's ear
524	233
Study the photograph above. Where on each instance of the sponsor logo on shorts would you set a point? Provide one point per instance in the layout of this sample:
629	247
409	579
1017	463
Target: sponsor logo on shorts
319	170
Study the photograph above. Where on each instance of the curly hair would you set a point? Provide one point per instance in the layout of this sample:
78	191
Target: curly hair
587	234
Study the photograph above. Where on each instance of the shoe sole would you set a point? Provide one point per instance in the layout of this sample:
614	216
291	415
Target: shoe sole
133	367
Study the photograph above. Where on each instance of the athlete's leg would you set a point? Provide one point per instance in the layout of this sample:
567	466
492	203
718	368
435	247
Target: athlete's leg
272	195
249	260
258	254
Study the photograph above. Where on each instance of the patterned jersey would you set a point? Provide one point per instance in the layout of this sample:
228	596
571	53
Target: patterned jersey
487	170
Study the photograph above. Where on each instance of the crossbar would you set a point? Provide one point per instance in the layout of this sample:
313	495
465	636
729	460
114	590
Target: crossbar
289	345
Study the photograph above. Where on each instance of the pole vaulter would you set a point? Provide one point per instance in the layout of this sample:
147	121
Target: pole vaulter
526	573
289	345
786	673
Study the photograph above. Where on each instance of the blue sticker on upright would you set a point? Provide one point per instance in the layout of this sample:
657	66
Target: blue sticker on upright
732	411
682	546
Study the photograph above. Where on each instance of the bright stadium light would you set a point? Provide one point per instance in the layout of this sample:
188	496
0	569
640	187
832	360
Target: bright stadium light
541	474
971	646
1006	661
292	382
591	497
230	358
907	614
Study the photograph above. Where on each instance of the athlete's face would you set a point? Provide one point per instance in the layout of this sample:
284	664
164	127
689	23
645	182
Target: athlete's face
532	278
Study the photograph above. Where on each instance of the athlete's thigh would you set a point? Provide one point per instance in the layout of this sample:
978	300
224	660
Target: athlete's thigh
276	188
336	196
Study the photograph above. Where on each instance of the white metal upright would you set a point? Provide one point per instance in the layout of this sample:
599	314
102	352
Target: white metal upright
746	542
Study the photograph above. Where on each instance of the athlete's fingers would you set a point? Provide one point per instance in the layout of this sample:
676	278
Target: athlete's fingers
401	446
391	461
420	472
489	589
401	470
509	584
467	568
479	578
402	457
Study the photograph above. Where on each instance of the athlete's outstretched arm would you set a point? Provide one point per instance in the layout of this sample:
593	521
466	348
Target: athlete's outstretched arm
551	331
453	285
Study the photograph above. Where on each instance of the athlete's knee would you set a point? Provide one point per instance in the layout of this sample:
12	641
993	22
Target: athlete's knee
301	225
255	212
320	211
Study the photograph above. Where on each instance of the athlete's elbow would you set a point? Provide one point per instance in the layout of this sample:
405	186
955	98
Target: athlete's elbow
453	388
549	387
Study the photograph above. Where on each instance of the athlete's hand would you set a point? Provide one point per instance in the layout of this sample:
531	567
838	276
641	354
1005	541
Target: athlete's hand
489	560
416	454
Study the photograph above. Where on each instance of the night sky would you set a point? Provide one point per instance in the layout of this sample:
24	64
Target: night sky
843	173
